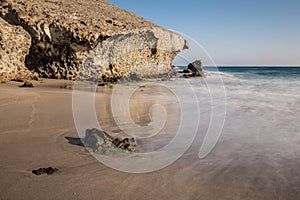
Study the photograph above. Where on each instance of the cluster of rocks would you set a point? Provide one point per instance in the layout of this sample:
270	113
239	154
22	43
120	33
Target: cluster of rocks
101	142
48	171
53	39
194	69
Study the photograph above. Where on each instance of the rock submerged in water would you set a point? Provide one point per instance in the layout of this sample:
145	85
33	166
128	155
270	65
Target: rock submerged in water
101	142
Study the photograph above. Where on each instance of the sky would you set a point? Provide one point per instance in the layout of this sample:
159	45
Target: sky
233	32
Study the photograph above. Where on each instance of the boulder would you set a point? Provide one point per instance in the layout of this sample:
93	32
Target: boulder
101	142
193	70
196	68
94	138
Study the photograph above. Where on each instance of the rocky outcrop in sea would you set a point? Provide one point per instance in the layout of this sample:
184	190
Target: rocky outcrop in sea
52	39
193	70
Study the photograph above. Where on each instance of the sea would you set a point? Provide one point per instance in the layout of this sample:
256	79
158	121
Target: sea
259	72
250	107
274	87
234	134
244	105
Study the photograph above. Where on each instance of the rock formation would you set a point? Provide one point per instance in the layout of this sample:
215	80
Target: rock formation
101	142
194	69
14	46
63	33
145	52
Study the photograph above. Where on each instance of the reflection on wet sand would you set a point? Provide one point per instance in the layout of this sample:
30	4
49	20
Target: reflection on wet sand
142	114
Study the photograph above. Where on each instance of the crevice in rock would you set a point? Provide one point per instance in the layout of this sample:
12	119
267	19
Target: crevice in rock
53	59
63	35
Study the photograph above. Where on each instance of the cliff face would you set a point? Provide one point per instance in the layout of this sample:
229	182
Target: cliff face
140	53
14	46
63	33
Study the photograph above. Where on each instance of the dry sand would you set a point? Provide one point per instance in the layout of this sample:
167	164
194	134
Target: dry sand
35	121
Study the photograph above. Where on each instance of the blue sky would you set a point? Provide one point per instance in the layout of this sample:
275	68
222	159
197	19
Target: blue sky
234	32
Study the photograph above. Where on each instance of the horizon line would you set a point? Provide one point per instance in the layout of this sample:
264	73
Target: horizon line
253	66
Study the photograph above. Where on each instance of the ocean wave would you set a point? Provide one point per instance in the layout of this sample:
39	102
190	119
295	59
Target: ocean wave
217	73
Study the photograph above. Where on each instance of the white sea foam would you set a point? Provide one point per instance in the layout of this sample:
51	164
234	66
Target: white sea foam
219	74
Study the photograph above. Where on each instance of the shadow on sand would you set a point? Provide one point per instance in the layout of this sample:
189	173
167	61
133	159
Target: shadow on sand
75	141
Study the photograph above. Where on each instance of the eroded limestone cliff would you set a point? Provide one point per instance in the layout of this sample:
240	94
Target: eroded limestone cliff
64	33
14	46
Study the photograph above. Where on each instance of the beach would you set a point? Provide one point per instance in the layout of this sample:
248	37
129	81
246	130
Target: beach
256	157
97	102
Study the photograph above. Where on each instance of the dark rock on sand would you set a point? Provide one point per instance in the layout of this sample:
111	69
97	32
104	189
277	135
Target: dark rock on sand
27	84
101	142
94	138
48	170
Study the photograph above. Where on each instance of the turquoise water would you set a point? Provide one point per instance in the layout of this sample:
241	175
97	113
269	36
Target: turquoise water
254	72
259	72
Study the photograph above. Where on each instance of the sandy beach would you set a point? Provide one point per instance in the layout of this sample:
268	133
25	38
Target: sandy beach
35	122
185	100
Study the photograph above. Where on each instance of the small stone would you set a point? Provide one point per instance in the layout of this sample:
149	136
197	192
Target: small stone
48	170
27	84
51	170
39	171
128	144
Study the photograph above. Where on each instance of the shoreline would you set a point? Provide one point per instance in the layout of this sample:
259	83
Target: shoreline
244	164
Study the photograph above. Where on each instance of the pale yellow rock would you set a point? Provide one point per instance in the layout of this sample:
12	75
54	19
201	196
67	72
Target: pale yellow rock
64	32
14	46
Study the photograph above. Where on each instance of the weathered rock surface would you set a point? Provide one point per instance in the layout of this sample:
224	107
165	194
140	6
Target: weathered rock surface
128	144
14	46
101	142
64	32
194	69
145	52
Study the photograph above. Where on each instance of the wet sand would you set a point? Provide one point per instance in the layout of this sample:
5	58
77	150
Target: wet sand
35	122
